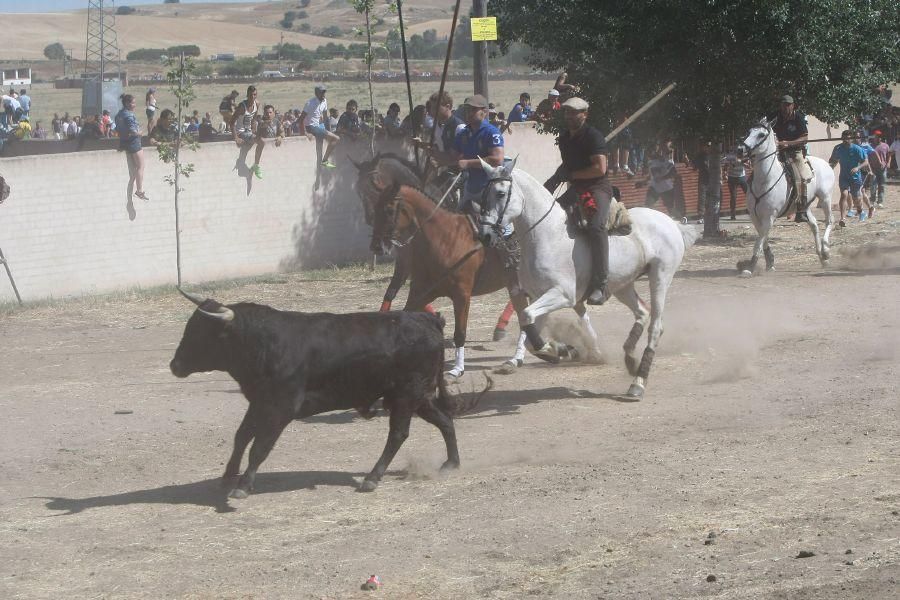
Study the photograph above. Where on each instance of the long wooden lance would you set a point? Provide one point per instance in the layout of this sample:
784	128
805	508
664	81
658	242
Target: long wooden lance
640	111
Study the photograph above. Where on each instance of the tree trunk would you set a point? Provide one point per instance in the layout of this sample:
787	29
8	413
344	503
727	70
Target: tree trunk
713	193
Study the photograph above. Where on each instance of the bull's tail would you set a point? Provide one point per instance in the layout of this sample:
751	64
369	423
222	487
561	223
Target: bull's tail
689	234
455	405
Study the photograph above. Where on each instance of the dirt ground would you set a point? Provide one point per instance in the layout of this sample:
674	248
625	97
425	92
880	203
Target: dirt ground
769	430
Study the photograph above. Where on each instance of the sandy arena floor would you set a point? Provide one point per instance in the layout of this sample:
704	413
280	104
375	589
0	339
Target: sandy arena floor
769	430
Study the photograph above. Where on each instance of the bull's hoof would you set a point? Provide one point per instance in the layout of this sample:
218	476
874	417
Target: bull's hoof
367	486
745	274
509	367
499	334
770	268
449	466
635	392
631	363
568	353
238	493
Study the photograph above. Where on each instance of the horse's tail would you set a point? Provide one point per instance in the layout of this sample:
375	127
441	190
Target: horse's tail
690	234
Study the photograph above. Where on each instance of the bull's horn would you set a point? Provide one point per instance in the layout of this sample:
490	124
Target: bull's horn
223	313
195	299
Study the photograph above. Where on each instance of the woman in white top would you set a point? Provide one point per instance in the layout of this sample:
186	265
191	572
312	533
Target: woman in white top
150	102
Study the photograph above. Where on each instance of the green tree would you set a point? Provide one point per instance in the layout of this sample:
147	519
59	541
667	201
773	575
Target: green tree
125	10
332	31
55	51
242	67
188	49
731	59
171	1
146	54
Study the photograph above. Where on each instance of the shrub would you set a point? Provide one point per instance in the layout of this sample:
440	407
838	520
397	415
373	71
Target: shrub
242	67
331	31
125	10
146	54
55	51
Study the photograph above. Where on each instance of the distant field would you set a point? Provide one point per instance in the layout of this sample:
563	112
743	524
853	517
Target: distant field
285	95
241	28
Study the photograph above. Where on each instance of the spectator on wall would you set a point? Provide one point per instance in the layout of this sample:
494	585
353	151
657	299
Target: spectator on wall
130	143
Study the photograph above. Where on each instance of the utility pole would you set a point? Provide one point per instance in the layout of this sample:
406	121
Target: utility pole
479	62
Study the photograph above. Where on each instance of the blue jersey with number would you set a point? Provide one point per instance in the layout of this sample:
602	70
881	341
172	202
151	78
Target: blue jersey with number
472	144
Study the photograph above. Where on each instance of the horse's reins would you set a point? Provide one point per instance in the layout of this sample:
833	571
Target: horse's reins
771	187
419	225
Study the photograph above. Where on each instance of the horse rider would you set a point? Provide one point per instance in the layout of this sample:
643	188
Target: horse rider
791	132
584	161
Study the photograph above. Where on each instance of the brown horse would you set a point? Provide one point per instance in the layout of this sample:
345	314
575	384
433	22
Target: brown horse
374	177
443	257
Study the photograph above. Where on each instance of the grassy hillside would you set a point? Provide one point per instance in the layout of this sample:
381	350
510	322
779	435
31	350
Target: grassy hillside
239	28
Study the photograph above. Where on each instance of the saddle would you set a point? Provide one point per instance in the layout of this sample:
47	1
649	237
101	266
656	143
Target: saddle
618	223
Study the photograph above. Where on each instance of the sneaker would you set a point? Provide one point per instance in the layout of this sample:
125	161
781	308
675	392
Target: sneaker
863	216
329	164
598	296
627	170
256	171
842	223
700	221
851	213
880	205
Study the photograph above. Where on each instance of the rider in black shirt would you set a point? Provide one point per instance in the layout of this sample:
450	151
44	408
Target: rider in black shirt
584	161
791	132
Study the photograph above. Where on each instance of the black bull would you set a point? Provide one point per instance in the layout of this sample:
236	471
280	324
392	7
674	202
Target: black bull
292	365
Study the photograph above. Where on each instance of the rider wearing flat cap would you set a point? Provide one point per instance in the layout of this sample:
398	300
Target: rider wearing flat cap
790	129
584	161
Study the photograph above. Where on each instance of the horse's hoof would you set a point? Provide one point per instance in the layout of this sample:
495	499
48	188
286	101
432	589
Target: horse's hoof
769	269
548	353
635	391
238	493
449	466
455	372
509	367
367	486
499	334
631	363
745	274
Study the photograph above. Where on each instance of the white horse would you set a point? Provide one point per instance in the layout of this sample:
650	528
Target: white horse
769	195
555	268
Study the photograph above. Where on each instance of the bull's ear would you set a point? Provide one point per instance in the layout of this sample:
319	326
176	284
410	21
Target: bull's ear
195	299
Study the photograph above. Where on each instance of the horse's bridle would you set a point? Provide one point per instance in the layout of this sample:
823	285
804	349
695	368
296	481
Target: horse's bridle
496	227
774	152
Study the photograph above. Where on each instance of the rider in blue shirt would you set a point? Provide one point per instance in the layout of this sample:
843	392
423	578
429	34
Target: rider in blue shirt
478	139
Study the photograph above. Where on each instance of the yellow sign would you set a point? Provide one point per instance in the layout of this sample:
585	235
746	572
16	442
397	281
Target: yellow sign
484	29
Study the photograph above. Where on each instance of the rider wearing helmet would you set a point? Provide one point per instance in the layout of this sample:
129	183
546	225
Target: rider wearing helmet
791	132
584	161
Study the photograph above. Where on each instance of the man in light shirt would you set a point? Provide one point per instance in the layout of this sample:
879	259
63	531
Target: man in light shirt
314	117
895	155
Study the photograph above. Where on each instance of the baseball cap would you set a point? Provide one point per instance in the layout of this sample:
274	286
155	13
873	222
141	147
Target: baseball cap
553	92
576	104
321	88
476	101
786	99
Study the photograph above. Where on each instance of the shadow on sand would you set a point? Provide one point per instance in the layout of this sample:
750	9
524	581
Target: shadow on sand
208	492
